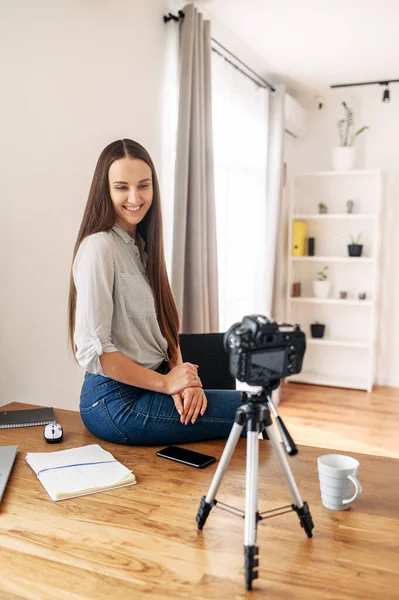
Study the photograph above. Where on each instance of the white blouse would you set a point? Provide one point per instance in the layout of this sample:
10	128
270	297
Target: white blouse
115	308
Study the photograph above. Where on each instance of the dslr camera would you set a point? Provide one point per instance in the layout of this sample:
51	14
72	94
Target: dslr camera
262	352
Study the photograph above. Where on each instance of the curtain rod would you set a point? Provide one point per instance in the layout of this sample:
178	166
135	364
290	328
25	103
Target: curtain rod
256	81
266	84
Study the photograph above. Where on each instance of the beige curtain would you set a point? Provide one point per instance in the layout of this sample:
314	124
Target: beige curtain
194	256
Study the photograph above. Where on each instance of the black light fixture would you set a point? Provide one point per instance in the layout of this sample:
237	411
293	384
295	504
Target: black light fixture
386	96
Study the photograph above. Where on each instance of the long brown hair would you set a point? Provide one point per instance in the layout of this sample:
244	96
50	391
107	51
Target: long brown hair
99	215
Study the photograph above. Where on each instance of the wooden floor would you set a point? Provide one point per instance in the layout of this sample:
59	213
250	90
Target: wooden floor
347	420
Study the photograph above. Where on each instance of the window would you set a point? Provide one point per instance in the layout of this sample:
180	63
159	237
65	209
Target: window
240	125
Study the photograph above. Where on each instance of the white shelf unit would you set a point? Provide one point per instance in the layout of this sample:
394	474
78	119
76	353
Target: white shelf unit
327	259
341	217
332	301
346	356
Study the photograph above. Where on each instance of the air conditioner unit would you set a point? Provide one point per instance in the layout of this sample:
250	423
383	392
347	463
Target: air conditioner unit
295	117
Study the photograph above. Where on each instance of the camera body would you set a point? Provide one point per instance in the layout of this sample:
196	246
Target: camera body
262	352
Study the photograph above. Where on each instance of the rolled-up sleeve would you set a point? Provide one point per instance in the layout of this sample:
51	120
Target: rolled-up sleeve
93	274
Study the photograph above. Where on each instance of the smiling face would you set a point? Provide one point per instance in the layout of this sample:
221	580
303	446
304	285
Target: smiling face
130	188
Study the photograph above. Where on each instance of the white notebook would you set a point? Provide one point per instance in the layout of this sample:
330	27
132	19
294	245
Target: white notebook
79	471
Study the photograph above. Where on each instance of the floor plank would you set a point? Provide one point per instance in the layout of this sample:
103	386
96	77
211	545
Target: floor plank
347	420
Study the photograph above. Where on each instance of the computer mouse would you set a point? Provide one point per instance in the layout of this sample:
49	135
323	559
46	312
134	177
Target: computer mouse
53	433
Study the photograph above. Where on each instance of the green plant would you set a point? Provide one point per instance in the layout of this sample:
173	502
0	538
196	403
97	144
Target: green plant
322	205
355	240
347	138
322	275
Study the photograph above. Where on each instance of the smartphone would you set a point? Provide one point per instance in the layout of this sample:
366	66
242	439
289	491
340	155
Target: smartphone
188	457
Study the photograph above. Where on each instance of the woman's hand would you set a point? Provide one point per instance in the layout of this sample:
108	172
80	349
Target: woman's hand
181	377
194	403
178	400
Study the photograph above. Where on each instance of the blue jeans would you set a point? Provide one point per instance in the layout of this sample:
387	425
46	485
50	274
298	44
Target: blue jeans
125	414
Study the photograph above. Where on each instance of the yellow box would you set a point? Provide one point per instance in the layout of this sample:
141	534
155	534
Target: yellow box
299	232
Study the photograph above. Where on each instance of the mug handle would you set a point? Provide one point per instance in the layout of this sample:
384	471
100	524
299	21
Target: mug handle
358	490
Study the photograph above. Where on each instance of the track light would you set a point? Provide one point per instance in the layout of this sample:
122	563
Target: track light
386	96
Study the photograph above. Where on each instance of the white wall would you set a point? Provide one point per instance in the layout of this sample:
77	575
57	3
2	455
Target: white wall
376	148
76	75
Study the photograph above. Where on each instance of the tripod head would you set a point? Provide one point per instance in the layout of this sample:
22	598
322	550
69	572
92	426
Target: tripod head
264	396
259	393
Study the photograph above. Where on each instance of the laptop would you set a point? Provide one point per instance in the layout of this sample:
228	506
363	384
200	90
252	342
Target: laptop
7	457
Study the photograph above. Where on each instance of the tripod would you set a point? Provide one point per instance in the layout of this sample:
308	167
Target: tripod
255	412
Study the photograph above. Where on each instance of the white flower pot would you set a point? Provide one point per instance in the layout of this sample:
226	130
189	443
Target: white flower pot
321	289
343	158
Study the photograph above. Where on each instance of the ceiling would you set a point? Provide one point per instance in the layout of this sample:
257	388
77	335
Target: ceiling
311	44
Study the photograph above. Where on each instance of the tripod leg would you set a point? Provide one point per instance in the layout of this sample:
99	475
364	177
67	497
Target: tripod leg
251	509
208	501
301	508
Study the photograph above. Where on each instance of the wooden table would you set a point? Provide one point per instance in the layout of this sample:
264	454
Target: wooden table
142	541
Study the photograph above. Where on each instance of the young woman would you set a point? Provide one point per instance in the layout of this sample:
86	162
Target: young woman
123	322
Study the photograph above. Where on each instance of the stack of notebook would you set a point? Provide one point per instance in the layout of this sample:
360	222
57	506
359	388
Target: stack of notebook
79	471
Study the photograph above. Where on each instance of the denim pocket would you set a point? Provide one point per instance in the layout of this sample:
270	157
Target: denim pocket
129	394
97	420
98	388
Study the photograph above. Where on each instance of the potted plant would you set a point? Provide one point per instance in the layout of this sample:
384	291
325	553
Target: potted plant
355	249
321	286
323	209
317	329
344	155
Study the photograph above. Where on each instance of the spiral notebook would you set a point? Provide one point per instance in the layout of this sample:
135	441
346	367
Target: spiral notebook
26	418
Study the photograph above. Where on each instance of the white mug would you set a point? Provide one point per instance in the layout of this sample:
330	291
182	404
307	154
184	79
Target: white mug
338	475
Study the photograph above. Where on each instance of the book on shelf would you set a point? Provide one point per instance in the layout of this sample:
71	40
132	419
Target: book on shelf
26	418
299	238
79	471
